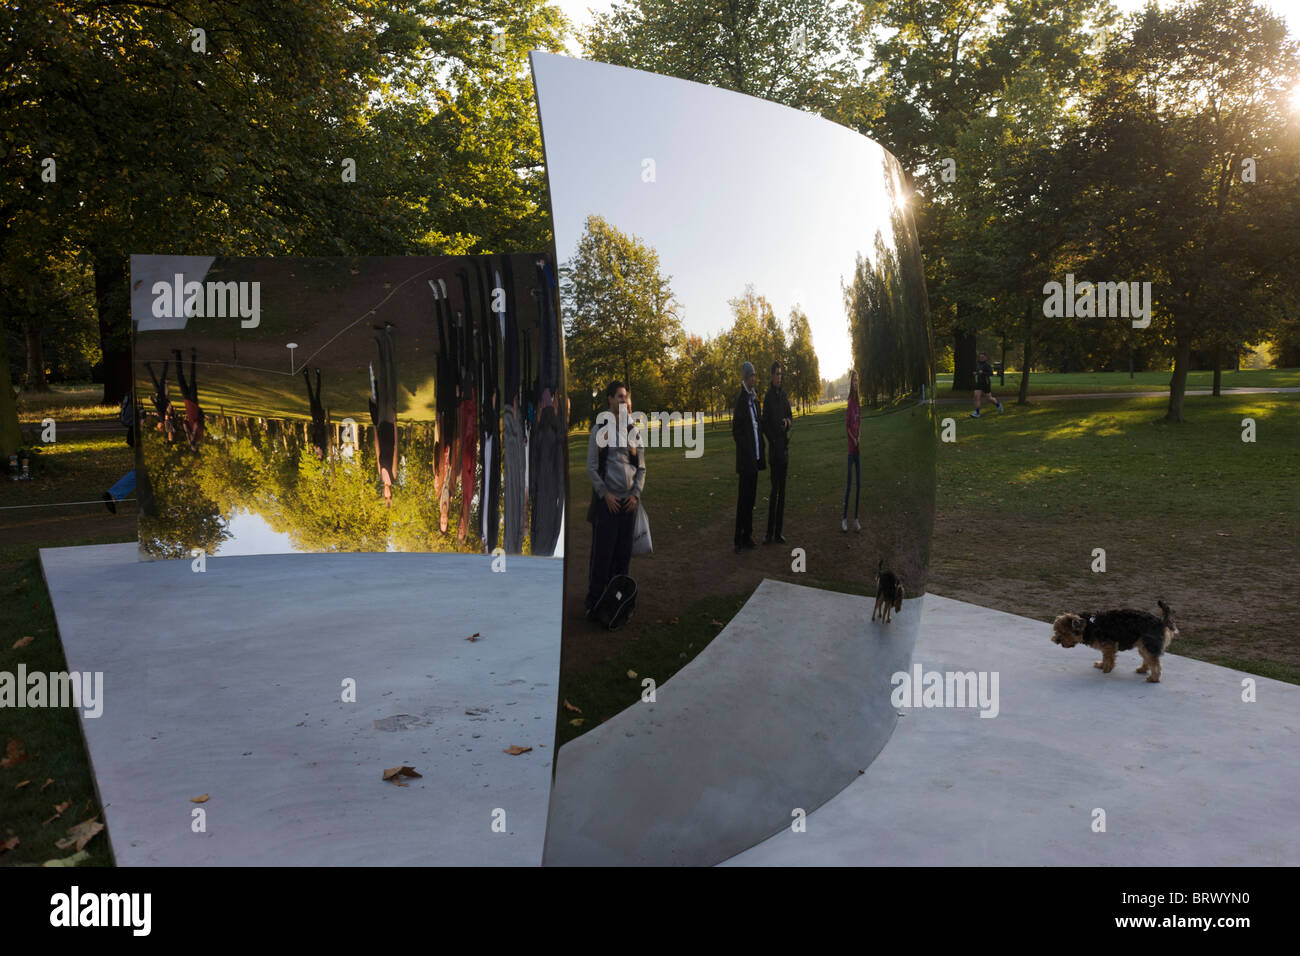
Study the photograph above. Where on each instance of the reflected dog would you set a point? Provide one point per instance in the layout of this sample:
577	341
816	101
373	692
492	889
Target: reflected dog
889	594
1120	630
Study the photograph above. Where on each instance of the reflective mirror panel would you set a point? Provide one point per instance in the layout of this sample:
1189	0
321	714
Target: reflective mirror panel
363	404
747	544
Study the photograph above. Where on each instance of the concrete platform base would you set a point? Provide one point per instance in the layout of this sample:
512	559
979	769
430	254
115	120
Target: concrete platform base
230	683
1186	772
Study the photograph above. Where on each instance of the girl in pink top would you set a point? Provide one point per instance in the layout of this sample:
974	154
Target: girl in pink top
853	425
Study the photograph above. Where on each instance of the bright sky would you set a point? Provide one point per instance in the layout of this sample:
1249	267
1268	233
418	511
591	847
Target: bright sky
743	192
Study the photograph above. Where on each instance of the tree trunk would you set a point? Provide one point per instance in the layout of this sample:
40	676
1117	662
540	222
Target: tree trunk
1218	371
35	359
1178	384
11	436
964	344
113	305
1024	365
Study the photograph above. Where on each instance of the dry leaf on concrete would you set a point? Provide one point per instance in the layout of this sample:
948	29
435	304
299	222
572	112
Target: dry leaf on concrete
474	637
515	750
393	773
203	798
23	641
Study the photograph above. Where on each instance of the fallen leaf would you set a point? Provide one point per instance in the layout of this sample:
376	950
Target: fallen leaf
74	860
631	674
577	721
717	623
23	783
199	799
14	754
23	641
515	750
60	807
8	844
403	771
474	637
80	835
570	707
48	782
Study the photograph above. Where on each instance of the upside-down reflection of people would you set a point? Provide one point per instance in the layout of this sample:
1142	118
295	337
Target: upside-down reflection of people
194	427
162	403
546	418
383	409
447	401
468	408
317	431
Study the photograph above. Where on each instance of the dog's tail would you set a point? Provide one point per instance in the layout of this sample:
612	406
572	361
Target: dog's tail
1171	629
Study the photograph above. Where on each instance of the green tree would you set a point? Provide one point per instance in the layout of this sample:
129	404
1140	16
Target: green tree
796	52
247	143
620	313
957	86
1192	99
802	372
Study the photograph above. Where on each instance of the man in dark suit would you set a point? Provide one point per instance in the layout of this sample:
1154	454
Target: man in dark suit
749	457
777	418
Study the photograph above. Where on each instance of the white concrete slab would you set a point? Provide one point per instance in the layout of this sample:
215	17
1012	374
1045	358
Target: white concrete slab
779	712
228	683
1187	773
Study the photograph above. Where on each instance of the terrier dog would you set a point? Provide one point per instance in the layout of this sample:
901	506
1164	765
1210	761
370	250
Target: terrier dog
889	594
1121	630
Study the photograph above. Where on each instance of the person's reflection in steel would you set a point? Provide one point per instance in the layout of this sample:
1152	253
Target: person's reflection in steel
162	403
316	432
194	427
383	409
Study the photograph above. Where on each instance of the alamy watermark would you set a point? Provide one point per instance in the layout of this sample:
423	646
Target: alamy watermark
219	300
923	688
676	430
84	689
1100	300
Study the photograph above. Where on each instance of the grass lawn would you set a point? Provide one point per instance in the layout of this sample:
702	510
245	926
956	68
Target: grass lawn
1189	513
79	466
1053	383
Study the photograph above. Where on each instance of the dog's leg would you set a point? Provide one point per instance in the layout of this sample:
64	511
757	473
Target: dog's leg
1154	676
1107	662
1147	659
875	609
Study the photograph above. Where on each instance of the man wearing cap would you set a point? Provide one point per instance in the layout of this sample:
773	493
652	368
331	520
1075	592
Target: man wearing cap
749	456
